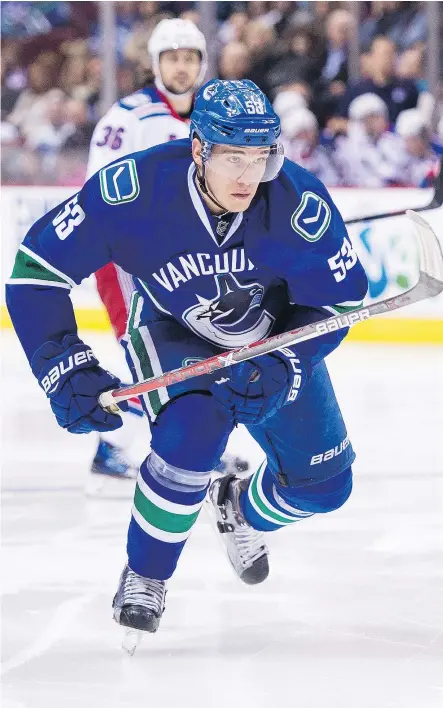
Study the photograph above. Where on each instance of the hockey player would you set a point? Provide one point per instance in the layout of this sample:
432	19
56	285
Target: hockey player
415	133
300	138
153	115
228	243
370	155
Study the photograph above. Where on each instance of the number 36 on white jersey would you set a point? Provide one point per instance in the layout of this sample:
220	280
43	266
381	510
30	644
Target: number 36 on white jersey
135	123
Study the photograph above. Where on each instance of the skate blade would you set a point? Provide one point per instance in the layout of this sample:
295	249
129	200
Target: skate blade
131	640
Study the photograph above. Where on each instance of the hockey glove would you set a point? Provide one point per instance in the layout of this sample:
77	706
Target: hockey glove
70	376
258	388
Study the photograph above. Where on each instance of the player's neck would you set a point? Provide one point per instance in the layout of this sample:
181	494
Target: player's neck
181	104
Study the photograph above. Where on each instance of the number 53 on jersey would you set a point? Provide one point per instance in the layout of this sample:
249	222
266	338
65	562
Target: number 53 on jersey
344	260
70	217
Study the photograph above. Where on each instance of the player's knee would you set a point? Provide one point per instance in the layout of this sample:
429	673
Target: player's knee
322	497
191	432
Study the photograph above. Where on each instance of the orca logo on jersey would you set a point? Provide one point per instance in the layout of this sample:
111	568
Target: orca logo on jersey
119	182
233	317
312	217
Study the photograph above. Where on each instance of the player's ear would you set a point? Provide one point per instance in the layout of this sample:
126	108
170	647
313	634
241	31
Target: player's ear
197	152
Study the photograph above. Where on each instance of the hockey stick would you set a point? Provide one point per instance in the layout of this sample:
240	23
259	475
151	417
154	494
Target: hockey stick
430	284
437	201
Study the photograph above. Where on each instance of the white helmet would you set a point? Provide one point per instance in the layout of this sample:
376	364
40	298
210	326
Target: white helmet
367	104
298	120
285	101
176	34
410	123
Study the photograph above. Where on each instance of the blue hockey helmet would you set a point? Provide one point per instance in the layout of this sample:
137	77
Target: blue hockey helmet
237	113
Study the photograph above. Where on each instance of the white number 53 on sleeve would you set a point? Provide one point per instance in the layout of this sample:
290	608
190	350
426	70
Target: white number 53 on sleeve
70	217
344	260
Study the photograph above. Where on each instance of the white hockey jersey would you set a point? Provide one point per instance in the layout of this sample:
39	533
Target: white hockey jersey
316	160
419	169
364	162
137	122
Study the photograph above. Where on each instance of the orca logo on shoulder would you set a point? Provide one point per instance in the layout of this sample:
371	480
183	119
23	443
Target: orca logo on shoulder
233	317
312	217
119	182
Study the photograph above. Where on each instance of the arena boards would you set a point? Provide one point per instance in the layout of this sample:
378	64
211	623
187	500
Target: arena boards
387	249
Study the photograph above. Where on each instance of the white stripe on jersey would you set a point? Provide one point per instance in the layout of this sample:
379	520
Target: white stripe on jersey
126	285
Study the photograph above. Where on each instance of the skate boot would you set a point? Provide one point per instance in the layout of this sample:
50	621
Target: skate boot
138	605
112	475
247	551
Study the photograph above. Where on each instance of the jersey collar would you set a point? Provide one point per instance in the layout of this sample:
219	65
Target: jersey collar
157	96
171	108
201	211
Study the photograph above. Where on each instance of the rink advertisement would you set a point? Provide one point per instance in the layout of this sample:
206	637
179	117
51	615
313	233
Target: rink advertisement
386	248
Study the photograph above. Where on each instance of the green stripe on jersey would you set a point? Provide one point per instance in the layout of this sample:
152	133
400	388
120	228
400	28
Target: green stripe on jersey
132	310
343	309
145	365
161	519
264	510
142	354
26	267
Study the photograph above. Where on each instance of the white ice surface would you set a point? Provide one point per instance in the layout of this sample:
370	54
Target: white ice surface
350	617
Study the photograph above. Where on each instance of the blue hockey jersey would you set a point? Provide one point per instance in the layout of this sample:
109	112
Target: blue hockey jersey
227	282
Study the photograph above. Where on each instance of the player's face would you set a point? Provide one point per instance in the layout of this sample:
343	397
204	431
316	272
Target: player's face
375	125
233	174
309	138
179	69
416	145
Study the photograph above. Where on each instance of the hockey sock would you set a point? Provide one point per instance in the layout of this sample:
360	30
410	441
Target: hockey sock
263	506
167	502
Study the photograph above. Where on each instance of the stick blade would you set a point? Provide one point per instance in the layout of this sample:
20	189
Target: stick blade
431	256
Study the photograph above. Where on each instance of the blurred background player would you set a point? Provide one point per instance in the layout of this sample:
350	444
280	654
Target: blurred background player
415	133
301	140
153	115
369	155
288	101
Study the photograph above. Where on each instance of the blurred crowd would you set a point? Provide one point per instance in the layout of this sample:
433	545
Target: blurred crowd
373	132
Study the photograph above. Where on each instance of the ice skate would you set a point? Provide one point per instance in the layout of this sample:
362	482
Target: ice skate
112	475
138	606
246	548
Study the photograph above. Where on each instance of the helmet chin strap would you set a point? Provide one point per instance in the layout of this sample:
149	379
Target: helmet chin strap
205	189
